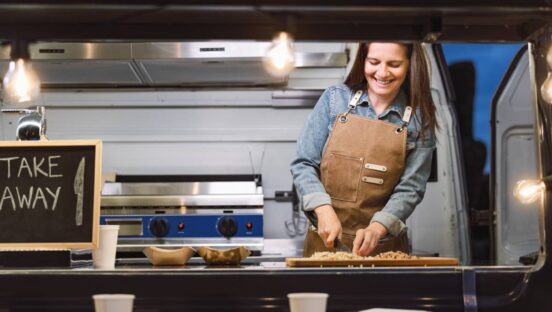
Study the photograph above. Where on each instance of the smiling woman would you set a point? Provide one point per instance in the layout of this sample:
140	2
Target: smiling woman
357	174
385	69
398	63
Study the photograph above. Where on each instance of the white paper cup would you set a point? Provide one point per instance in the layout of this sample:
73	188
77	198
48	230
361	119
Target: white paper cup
113	302
103	256
307	302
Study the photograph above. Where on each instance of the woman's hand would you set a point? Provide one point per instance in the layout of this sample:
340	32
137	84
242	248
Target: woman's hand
329	226
367	239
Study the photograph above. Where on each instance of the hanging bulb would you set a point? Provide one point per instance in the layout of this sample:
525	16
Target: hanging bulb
279	59
21	84
528	191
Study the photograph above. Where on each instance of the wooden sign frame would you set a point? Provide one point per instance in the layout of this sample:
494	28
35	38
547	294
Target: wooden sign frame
88	244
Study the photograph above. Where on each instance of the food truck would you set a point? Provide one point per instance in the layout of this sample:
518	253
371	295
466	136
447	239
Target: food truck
186	113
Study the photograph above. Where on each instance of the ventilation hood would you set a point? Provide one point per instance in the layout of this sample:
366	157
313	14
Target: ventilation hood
167	64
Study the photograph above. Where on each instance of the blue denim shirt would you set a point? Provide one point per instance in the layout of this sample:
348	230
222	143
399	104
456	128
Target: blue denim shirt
312	141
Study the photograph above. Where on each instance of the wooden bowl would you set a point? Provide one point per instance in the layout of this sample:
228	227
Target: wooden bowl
232	256
160	256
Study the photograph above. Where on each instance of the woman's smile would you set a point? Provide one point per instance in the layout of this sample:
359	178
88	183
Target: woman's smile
384	83
385	70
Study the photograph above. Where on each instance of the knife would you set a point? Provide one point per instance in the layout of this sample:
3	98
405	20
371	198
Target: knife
385	239
78	185
339	246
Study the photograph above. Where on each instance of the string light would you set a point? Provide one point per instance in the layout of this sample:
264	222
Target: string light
529	191
279	59
21	84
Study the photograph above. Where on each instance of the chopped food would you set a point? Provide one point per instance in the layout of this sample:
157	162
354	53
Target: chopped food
393	255
340	255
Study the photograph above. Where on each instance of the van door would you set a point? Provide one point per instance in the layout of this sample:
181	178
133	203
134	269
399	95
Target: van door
439	225
513	157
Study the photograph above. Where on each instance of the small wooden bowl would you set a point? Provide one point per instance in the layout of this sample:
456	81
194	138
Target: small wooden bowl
160	256
232	256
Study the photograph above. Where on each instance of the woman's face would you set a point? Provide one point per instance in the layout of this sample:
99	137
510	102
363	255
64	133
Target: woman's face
385	68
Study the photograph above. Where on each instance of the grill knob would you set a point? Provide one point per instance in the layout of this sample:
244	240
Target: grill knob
159	227
227	226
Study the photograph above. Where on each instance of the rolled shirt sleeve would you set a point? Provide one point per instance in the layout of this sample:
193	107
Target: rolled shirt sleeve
305	168
410	190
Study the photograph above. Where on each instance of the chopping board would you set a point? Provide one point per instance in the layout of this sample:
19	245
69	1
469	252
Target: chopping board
421	261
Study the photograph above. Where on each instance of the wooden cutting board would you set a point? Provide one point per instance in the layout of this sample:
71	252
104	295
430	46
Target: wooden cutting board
421	261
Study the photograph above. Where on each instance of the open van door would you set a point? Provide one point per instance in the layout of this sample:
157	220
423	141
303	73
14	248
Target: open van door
513	155
439	225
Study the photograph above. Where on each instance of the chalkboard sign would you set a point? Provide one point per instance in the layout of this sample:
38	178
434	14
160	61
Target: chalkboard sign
49	194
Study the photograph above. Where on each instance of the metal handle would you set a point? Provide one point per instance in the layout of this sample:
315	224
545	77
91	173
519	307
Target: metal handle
17	110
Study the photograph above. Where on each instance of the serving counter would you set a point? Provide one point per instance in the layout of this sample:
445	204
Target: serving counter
255	286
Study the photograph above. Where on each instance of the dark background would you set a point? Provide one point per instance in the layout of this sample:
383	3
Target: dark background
490	62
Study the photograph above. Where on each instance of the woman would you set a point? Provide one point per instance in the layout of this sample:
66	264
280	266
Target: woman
364	155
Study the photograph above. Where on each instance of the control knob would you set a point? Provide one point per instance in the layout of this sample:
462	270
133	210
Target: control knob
227	226
159	227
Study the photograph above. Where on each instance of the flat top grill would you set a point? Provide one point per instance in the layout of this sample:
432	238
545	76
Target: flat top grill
202	194
221	211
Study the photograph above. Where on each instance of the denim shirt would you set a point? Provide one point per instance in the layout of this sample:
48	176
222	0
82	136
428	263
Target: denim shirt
312	141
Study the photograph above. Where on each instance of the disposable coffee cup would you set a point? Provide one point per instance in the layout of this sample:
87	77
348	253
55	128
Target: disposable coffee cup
113	302
103	256
307	302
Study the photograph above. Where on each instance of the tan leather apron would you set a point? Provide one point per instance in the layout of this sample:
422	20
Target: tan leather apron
363	162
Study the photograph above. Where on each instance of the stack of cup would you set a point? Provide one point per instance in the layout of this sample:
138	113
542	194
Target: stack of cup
113	302
307	302
103	256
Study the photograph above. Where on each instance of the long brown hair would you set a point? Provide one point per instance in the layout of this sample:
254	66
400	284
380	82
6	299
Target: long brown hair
416	84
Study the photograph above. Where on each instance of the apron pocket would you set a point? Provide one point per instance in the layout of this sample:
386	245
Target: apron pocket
343	177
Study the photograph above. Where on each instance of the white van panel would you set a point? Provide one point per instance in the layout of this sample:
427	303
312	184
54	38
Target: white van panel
439	224
516	224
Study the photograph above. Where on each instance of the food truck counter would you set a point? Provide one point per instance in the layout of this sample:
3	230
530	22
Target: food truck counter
262	285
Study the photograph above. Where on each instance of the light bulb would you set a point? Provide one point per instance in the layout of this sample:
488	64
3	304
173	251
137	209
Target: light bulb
528	191
279	59
21	83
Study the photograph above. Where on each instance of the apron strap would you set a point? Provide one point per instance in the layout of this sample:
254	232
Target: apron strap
356	98
352	104
406	116
354	101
